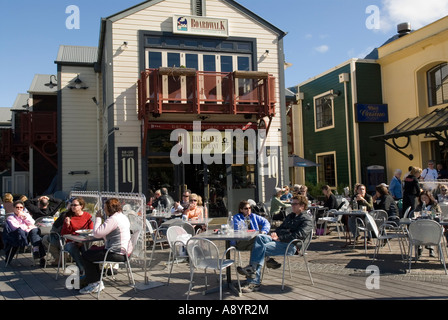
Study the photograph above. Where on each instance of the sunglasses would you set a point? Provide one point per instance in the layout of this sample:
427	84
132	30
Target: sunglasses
247	208
443	189
295	203
74	205
194	200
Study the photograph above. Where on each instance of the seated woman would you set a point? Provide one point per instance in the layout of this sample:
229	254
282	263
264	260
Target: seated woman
287	195
426	202
77	220
362	197
384	201
277	205
442	194
23	220
195	211
304	192
330	199
116	230
8	203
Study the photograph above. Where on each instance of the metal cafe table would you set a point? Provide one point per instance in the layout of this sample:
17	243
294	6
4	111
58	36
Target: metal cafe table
231	236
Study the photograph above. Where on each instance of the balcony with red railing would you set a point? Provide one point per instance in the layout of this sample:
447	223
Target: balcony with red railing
185	90
13	147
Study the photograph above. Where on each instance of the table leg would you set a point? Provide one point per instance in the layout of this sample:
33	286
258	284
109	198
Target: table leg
347	233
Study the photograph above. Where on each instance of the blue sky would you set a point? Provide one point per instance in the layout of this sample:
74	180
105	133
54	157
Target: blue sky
321	33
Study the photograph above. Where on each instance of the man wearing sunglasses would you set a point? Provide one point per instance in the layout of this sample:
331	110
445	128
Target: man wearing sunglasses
297	225
245	219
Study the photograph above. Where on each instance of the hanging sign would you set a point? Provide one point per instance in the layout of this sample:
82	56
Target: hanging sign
128	169
372	113
200	26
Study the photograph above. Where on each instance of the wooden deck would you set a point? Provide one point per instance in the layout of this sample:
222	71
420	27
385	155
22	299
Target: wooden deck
339	274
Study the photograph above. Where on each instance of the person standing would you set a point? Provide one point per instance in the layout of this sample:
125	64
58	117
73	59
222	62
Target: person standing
396	186
429	175
411	189
442	173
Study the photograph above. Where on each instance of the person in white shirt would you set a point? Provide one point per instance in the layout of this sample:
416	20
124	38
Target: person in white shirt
429	174
116	232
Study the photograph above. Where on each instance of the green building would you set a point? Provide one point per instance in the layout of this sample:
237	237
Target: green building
338	111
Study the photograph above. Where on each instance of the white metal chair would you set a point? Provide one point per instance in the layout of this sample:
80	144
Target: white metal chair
406	213
425	232
204	254
128	254
301	248
385	232
62	253
330	220
153	231
177	237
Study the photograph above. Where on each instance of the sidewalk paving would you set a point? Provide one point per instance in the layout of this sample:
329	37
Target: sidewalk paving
339	274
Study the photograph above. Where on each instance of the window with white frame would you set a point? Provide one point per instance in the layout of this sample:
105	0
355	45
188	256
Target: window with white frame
438	85
326	172
323	111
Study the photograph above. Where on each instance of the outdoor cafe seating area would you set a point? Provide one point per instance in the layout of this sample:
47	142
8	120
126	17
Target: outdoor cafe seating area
336	260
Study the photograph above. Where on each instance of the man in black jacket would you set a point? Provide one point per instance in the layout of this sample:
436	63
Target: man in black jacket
43	206
297	225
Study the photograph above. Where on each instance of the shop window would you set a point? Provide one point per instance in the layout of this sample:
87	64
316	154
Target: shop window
323	112
438	85
155	60
327	170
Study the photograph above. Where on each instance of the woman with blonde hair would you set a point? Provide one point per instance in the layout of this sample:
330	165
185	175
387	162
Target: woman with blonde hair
8	205
195	210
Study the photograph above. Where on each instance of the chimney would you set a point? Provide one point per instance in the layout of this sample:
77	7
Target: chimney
403	29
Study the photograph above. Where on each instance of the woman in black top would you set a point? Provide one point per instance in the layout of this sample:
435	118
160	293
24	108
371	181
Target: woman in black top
411	189
384	201
330	199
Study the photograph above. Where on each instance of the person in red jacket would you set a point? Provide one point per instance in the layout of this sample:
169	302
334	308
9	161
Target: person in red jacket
78	220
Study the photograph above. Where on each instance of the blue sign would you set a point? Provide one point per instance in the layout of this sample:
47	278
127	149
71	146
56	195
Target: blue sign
372	113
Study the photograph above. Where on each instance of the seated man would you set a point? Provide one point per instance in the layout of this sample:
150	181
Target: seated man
43	206
297	225
251	221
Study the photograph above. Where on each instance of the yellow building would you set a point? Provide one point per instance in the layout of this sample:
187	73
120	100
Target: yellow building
414	75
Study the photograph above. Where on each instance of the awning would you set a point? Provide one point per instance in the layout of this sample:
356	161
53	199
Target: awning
296	161
433	124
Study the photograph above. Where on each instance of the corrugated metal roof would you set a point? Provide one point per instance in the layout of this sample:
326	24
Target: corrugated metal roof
38	84
77	54
5	117
20	102
435	121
